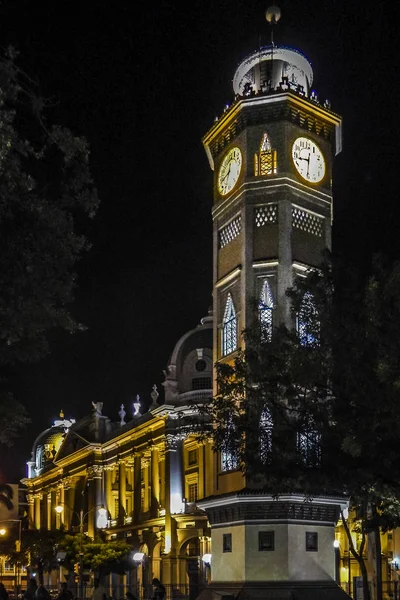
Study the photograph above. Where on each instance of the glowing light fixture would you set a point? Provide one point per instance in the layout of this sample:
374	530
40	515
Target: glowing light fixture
206	558
336	543
138	557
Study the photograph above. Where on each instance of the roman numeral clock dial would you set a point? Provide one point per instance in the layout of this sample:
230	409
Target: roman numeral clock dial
308	160
229	171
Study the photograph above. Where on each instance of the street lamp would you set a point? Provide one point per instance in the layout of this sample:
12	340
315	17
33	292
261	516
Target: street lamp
3	531
101	524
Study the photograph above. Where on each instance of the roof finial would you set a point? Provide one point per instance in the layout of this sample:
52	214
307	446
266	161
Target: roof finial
272	15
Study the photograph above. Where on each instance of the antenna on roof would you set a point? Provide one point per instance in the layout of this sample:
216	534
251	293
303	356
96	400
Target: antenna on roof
272	15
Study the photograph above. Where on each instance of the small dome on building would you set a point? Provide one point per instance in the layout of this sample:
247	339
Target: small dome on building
188	377
47	444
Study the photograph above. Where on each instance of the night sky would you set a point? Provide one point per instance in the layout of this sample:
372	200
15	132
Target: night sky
143	81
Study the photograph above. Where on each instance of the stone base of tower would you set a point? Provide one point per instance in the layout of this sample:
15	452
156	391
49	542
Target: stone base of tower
266	547
274	590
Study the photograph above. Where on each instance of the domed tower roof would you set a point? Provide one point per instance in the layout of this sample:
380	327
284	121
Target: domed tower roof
47	444
188	376
270	67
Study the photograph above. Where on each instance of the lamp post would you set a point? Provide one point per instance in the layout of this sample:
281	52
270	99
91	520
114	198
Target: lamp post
101	523
138	559
17	545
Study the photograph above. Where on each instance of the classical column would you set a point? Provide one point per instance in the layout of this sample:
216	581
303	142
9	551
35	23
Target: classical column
173	504
155	482
95	497
37	522
108	480
48	514
201	480
121	491
137	488
31	510
146	481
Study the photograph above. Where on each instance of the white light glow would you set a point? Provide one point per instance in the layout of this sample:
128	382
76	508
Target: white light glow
177	505
138	556
102	518
206	558
336	543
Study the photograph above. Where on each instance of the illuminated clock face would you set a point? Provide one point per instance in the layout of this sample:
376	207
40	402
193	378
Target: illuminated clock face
308	160
229	171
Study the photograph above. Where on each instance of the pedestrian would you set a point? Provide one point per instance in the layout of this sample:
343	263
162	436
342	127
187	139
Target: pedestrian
99	593
65	593
159	592
31	589
3	592
42	593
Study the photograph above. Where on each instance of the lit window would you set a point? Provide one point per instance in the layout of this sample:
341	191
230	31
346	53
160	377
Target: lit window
307	322
266	427
265	160
229	328
229	461
265	308
266	541
309	446
192	492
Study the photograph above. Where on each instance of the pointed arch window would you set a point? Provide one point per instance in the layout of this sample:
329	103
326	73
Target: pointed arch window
307	322
229	451
309	445
265	160
265	309
266	427
229	328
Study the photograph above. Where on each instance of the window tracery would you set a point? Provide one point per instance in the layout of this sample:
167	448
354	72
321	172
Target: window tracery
265	309
229	328
265	161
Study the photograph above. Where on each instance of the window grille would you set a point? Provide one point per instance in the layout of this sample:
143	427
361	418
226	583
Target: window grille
192	492
265	162
311	541
229	328
229	461
227	542
230	231
309	446
266	541
266	428
201	383
306	221
266	215
265	308
307	322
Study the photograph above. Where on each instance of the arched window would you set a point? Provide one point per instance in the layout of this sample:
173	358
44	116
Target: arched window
265	308
265	159
307	322
266	427
309	445
229	328
229	451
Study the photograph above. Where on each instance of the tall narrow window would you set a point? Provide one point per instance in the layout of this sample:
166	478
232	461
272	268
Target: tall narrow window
265	308
308	324
229	328
265	159
229	450
266	426
309	445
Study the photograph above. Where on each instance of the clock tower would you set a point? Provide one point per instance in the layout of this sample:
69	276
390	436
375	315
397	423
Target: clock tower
271	153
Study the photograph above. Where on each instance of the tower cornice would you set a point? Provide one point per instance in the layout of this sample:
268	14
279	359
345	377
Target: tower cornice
287	105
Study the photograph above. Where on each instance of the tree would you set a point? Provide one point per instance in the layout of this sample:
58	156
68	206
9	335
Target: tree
97	555
315	408
45	191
